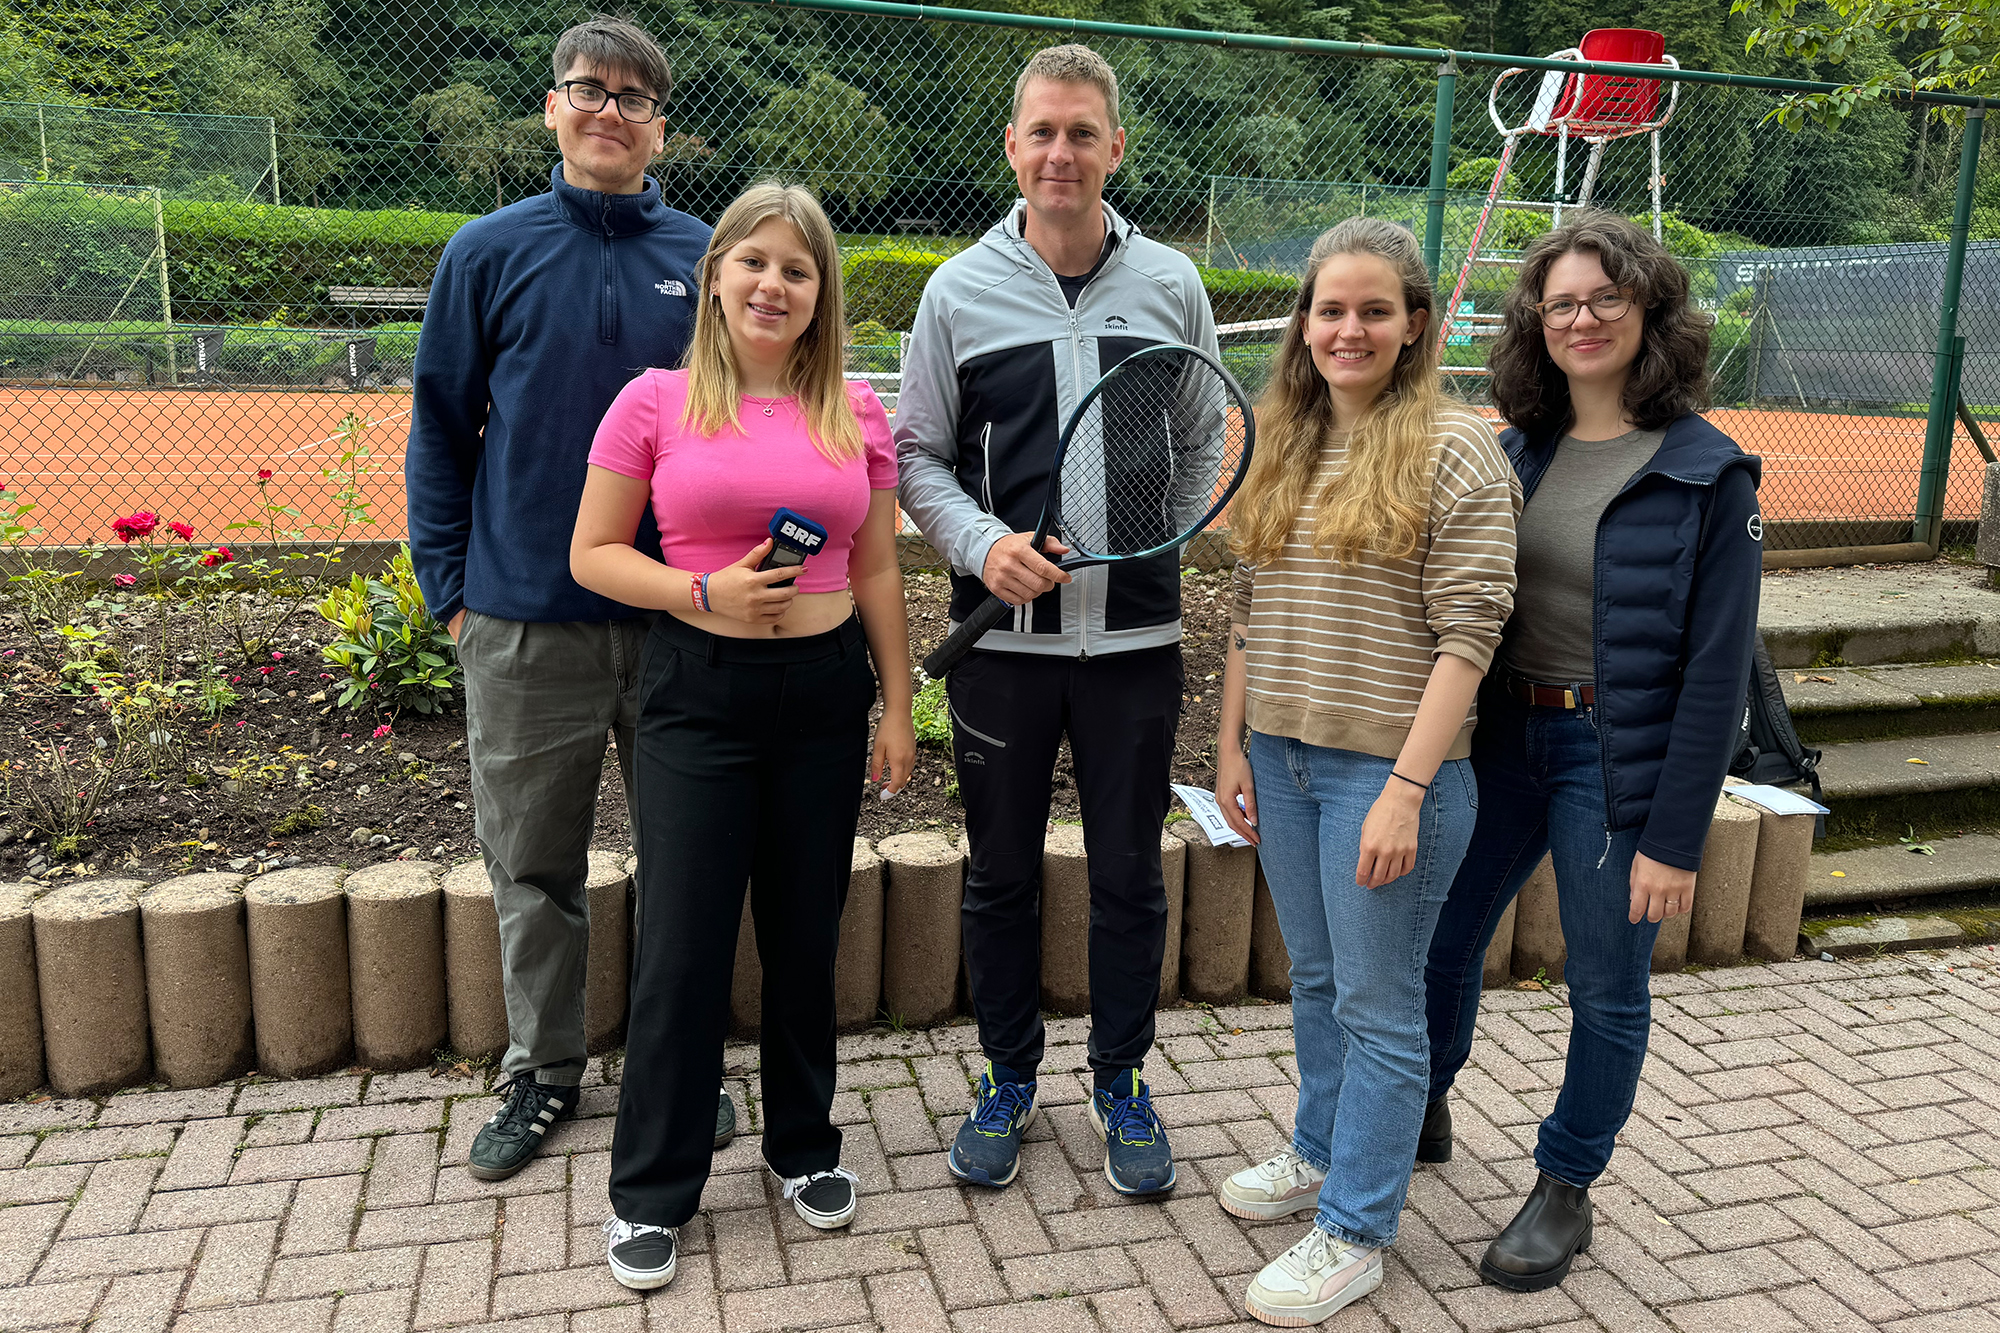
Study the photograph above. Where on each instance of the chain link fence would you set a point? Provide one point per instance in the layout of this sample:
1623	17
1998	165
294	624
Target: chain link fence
247	293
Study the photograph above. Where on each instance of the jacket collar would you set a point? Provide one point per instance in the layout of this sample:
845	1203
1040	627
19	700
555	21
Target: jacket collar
1693	452
607	215
1009	237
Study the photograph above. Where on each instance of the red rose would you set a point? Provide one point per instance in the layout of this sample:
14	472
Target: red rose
263	474
125	580
218	557
181	530
140	524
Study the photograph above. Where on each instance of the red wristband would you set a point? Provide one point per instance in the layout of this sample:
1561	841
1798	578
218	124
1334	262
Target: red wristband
697	593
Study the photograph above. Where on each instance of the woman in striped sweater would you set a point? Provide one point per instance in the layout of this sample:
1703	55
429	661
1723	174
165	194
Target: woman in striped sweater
1376	533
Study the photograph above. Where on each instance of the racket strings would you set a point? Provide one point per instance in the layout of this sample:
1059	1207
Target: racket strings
1150	455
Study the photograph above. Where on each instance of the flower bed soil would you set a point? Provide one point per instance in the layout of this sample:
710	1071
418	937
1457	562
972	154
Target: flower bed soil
404	794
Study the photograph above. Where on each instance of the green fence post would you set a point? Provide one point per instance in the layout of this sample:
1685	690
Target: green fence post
1440	163
1932	481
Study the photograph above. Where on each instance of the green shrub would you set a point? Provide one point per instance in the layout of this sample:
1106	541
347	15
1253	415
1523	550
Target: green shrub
882	284
931	711
393	652
1244	294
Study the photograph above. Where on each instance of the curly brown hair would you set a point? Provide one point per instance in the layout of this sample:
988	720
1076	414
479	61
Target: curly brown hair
1669	377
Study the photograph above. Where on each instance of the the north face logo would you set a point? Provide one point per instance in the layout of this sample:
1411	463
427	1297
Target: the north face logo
1114	321
671	288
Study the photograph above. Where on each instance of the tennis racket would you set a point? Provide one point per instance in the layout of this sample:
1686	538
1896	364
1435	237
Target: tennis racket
1150	456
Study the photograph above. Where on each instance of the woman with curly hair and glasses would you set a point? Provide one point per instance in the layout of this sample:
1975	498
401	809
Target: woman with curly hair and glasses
1607	722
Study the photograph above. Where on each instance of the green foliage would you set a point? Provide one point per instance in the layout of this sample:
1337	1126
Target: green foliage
1475	173
1939	47
393	653
827	137
883	283
465	125
931	711
1243	294
112	54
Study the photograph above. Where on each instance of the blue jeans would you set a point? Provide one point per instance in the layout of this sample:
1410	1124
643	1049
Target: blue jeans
1357	967
1541	772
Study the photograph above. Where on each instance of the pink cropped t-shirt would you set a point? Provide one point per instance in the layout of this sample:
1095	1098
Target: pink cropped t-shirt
713	496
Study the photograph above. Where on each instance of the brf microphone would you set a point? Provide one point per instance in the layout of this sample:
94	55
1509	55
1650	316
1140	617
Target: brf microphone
793	538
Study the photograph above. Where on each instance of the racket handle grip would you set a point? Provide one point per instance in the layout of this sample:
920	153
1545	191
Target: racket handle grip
949	653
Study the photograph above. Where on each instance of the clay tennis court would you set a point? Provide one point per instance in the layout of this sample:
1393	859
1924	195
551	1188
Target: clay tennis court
86	455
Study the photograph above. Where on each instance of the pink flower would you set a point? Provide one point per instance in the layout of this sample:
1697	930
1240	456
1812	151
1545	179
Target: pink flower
381	731
140	524
217	558
124	580
181	530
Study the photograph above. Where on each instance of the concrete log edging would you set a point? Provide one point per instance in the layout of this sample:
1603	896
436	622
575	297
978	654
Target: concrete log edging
197	953
106	983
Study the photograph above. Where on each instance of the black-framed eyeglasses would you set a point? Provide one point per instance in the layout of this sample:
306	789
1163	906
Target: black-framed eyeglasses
590	99
1561	312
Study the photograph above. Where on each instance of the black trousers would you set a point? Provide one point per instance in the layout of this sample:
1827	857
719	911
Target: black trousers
1010	712
751	759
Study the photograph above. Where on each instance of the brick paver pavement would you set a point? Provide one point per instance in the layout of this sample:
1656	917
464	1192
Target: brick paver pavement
1814	1147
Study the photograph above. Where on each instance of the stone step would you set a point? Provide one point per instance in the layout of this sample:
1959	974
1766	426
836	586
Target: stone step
1968	863
1859	703
1877	788
1871	614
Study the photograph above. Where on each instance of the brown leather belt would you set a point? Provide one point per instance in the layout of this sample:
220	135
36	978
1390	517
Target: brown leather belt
1550	696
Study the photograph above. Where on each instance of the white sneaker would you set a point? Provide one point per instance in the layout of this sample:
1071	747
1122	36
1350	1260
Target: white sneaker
824	1199
1312	1280
641	1256
1284	1185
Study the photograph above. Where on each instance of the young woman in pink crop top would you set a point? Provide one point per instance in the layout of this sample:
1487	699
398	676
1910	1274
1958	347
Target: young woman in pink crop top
753	731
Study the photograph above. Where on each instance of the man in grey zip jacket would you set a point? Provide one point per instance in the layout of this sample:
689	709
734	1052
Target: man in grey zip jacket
1009	336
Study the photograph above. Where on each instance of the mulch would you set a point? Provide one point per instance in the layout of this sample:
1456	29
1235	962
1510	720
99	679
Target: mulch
346	797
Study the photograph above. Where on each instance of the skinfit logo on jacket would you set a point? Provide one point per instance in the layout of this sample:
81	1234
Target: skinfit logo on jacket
1114	321
671	287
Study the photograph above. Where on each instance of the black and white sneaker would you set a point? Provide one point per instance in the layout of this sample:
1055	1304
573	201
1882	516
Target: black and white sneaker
825	1199
508	1141
641	1256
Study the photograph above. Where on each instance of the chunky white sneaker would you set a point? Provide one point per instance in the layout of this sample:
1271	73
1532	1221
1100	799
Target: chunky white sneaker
1284	1185
1312	1280
641	1256
824	1199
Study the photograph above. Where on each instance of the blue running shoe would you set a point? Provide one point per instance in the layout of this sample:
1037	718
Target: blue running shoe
987	1150
1137	1159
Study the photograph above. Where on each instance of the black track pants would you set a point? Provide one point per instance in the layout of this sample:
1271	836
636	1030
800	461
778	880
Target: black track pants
1009	714
751	758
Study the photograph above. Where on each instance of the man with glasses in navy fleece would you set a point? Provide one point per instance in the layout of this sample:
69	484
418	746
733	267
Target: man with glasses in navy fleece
539	314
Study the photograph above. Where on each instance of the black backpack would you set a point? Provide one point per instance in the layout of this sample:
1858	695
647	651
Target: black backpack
1767	745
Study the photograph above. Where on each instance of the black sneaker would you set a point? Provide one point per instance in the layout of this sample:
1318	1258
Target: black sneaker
641	1257
725	1120
825	1199
508	1141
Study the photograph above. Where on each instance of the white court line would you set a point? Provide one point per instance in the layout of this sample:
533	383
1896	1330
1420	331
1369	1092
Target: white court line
337	434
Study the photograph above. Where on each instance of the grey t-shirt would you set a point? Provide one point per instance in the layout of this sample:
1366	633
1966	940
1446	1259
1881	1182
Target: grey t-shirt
1549	635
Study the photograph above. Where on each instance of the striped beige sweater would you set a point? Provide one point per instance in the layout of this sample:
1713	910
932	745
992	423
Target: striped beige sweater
1338	655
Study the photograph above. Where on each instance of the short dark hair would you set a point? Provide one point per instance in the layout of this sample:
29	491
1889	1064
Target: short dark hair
1670	375
606	43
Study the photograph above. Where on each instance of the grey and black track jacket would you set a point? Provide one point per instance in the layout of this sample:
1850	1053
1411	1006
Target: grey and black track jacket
997	362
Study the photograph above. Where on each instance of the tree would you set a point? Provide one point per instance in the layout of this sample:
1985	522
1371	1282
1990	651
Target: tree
265	61
1958	49
469	133
111	54
827	137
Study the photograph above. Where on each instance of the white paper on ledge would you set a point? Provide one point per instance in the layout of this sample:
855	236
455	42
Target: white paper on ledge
1207	812
1777	800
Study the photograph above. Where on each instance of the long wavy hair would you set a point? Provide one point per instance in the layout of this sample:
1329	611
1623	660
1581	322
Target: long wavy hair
1379	500
1669	376
813	370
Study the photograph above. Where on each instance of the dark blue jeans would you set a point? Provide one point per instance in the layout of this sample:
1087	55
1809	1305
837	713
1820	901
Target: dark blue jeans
1541	790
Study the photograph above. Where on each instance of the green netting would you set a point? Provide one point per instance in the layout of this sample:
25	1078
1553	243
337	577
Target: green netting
224	158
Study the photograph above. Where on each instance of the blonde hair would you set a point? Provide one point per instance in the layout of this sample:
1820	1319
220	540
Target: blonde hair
1379	500
813	370
1070	63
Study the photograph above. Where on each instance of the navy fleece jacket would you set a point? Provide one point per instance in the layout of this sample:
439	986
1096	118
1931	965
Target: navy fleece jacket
539	314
